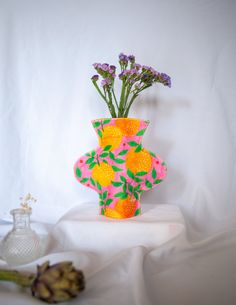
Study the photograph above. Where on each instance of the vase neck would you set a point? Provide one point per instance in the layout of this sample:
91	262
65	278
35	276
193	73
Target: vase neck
21	219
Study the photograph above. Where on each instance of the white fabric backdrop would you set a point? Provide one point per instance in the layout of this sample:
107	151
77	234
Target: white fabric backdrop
47	99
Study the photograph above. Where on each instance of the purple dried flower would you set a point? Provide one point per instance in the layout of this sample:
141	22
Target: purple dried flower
105	67
137	67
123	58
95	78
165	79
106	82
131	58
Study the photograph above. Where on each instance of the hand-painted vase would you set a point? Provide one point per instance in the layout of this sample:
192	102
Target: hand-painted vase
120	169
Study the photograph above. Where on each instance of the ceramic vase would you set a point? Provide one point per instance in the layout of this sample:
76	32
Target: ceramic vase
120	169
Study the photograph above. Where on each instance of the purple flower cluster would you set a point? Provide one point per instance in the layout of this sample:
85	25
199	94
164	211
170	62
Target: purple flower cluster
106	71
134	77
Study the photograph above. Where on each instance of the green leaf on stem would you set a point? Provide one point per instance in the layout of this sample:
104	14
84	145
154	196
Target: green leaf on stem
132	143
84	180
101	202
120	161
141	173
109	201
117	169
157	181
96	124
78	172
111	155
104	195
121	195
99	186
137	212
107	147
130	174
123	152
141	132
90	160
92	181
136	179
136	195
148	184
99	133
122	178
104	154
130	188
106	121
154	173
91	166
102	211
116	184
139	148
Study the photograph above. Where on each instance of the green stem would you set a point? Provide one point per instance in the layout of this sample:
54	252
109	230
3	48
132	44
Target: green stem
21	279
100	92
113	93
129	105
111	106
121	106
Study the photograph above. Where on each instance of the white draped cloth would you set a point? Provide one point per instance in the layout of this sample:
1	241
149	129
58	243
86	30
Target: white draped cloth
146	260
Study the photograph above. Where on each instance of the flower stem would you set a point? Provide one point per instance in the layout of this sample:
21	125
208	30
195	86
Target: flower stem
24	280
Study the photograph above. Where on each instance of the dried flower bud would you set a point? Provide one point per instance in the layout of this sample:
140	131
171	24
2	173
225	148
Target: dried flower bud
57	283
95	78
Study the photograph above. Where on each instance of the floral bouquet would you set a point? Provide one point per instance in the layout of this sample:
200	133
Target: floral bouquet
134	77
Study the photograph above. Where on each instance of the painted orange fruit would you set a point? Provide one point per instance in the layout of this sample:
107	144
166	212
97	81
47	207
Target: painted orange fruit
138	161
112	213
103	174
129	127
111	135
126	207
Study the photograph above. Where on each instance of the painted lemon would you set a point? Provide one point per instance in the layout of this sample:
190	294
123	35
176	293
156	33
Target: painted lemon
111	135
112	213
126	207
103	174
138	161
129	127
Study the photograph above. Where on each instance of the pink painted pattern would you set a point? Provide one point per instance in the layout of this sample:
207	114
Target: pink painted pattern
120	169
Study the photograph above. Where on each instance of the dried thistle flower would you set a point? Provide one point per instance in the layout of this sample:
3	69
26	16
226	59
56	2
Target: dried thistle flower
52	284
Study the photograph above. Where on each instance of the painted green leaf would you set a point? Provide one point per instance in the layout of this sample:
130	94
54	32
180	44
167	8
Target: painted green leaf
119	161
91	166
101	202
122	178
99	133
104	195
137	212
139	148
137	187
107	147
99	186
152	154
116	184
89	160
154	173
104	154
141	132
96	124
109	201
121	195
87	154
117	169
163	163
102	211
136	195
78	172
105	161
130	188
136	179
133	143
112	156
93	152
107	121
84	180
157	181
141	173
92	181
124	188
148	184
123	152
130	174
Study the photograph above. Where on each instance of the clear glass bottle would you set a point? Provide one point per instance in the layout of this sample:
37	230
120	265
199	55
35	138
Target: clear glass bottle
21	245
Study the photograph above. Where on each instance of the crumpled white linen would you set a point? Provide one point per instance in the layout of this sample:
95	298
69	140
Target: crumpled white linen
172	272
